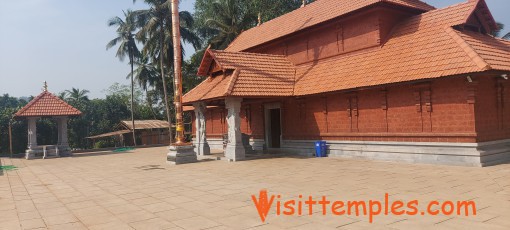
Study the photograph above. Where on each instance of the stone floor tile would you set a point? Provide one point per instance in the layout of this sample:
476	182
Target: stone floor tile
196	223
135	216
33	224
153	224
29	215
116	225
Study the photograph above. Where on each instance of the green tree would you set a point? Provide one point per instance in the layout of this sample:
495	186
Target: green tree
156	35
147	76
8	107
497	33
125	36
219	22
76	95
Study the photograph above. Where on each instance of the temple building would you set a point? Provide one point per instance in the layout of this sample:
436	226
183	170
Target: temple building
395	80
47	105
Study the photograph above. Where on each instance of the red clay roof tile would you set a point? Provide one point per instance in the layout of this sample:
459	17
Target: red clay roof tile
47	104
423	47
251	75
305	17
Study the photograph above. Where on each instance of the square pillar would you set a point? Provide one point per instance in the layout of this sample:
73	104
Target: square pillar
201	146
32	147
59	134
235	149
32	133
63	144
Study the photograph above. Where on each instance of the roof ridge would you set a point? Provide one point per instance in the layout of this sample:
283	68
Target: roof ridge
445	8
311	15
30	104
475	57
62	102
232	82
251	53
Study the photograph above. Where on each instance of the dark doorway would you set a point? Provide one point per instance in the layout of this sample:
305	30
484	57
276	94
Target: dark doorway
275	127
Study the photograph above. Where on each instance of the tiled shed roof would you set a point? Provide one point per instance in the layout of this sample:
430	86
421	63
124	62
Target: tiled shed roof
145	124
308	16
422	47
47	104
250	75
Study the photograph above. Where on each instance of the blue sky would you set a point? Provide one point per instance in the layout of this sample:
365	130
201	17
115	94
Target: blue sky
63	42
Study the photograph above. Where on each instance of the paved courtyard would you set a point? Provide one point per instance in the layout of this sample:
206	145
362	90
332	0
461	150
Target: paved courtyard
138	190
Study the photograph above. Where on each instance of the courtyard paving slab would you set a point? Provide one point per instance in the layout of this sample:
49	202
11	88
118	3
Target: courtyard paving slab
138	190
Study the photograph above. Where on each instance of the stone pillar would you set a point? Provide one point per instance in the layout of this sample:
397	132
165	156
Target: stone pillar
201	146
63	145
63	132
59	133
32	133
235	149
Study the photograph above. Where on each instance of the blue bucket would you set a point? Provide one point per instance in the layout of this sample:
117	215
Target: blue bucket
318	149
324	149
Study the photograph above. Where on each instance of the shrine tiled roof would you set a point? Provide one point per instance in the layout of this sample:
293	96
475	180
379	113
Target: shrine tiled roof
47	104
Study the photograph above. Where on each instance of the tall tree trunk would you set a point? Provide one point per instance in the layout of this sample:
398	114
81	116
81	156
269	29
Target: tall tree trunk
162	67
133	98
149	103
176	38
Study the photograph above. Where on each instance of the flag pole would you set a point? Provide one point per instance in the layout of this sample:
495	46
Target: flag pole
176	38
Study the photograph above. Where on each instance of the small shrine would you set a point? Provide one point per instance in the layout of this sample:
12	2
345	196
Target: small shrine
47	105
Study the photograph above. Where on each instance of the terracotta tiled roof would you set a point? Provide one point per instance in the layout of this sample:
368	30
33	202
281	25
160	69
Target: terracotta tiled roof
47	104
494	52
210	88
250	75
190	108
116	133
422	47
305	17
145	124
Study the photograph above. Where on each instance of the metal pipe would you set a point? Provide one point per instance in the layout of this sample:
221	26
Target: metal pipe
176	38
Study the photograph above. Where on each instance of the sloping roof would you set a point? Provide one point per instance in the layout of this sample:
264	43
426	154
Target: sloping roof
422	47
308	16
189	108
495	52
425	46
251	74
47	104
145	124
109	134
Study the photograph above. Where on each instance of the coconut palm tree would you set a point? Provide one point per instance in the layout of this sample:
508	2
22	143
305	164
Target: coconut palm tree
62	95
497	32
156	35
147	76
225	20
127	47
221	21
76	95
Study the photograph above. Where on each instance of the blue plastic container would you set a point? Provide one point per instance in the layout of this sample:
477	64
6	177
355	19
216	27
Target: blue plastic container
324	149
318	149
